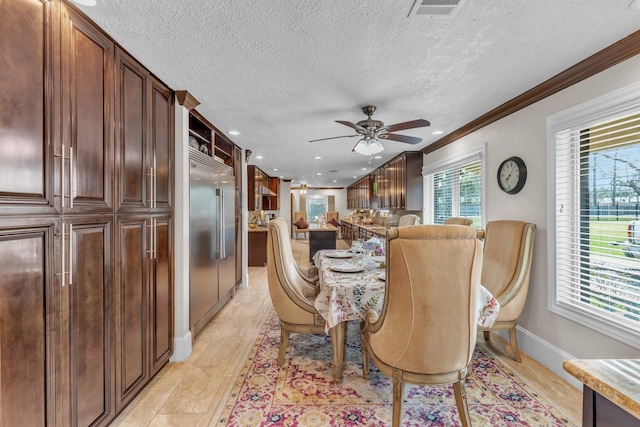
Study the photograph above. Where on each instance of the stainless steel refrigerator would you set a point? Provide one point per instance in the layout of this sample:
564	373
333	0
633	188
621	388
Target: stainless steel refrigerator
212	238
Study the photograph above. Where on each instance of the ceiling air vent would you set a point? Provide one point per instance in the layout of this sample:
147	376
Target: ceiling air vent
435	8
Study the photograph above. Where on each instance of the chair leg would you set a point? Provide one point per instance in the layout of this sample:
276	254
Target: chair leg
487	335
284	343
365	361
398	385
461	403
514	344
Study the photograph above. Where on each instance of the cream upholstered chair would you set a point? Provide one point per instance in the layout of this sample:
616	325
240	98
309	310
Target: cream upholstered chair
458	220
292	293
426	332
304	230
508	249
409	219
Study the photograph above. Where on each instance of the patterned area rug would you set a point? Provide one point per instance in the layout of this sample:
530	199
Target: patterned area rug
302	392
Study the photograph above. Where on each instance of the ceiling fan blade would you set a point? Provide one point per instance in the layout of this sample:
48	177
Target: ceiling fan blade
352	125
334	137
401	138
408	125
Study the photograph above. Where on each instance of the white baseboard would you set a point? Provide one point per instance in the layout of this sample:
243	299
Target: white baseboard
181	348
544	353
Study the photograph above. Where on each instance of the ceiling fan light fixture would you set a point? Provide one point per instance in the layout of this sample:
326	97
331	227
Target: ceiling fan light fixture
368	146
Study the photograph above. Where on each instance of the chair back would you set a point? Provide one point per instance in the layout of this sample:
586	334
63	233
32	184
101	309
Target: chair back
508	249
458	220
291	294
332	214
409	219
298	215
429	318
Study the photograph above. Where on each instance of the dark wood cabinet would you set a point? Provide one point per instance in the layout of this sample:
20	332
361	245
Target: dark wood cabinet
359	194
398	184
161	288
263	190
86	154
257	244
30	337
143	150
90	321
86	150
26	135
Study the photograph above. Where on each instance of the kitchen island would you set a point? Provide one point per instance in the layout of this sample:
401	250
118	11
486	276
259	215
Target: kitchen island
611	394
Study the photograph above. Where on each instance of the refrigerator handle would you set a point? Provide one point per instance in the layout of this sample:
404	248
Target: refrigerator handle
221	223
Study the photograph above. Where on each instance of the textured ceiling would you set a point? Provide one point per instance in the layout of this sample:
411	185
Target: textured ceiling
282	71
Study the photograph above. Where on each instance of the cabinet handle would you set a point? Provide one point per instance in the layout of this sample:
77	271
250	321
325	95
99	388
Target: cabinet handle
62	259
70	254
155	238
61	155
155	188
70	180
150	228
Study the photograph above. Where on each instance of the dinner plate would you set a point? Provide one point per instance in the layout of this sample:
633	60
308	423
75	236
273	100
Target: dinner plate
339	254
382	276
378	258
347	268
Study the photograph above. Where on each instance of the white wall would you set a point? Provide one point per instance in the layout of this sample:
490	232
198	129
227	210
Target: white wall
544	335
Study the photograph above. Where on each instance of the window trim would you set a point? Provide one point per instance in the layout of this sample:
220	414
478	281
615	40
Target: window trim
478	152
624	101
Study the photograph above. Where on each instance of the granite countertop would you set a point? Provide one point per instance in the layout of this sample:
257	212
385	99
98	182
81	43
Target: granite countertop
260	229
616	379
374	228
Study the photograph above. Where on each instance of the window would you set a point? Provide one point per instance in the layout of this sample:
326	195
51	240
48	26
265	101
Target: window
316	206
453	187
594	230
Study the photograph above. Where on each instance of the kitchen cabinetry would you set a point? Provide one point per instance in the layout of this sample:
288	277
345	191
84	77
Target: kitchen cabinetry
257	243
359	194
85	220
210	141
399	183
263	190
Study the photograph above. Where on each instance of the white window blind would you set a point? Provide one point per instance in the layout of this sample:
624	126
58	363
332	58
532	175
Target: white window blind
454	188
595	258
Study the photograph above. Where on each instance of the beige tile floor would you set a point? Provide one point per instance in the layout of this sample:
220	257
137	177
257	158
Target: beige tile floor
191	393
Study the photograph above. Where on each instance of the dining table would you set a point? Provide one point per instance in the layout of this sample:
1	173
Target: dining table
353	283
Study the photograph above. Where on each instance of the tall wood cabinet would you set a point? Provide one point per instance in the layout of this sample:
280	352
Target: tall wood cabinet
85	220
395	185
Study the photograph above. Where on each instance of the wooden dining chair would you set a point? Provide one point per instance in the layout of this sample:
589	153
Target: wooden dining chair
300	224
426	332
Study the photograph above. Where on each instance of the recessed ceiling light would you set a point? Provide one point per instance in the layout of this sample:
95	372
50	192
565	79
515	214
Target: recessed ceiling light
364	169
281	177
85	2
275	169
437	132
318	158
355	176
377	157
318	173
259	157
234	132
335	180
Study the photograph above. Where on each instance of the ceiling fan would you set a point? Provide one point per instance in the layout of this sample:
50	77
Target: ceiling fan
372	131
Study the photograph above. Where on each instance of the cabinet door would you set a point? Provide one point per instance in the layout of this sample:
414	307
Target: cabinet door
28	307
161	144
87	70
25	162
131	142
132	302
90	319
161	286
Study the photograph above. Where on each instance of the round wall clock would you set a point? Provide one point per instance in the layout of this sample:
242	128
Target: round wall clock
512	174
